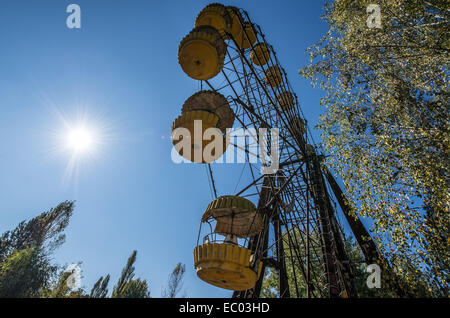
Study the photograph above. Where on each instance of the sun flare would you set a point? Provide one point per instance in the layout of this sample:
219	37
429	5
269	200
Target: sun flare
80	140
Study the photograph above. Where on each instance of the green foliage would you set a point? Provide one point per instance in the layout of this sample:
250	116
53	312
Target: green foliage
175	282
135	288
127	287
44	231
62	289
386	128
294	249
269	287
25	267
359	267
23	273
100	288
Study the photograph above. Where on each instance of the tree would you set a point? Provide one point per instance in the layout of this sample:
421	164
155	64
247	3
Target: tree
23	273
100	288
26	269
175	282
293	250
386	127
62	288
127	287
359	268
135	288
25	266
270	282
44	231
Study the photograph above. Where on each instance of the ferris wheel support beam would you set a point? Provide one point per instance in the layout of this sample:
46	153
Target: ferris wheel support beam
345	270
282	274
362	236
325	231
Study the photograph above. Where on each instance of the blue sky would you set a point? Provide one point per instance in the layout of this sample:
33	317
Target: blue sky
120	73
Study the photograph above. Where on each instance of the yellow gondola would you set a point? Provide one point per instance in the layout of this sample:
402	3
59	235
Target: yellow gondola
235	216
226	266
286	100
297	125
236	22
201	53
245	37
196	144
217	16
260	54
273	76
213	102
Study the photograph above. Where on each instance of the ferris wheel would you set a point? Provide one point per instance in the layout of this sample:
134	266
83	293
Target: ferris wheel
283	218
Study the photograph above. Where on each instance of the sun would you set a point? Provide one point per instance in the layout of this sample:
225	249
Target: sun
80	140
83	139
